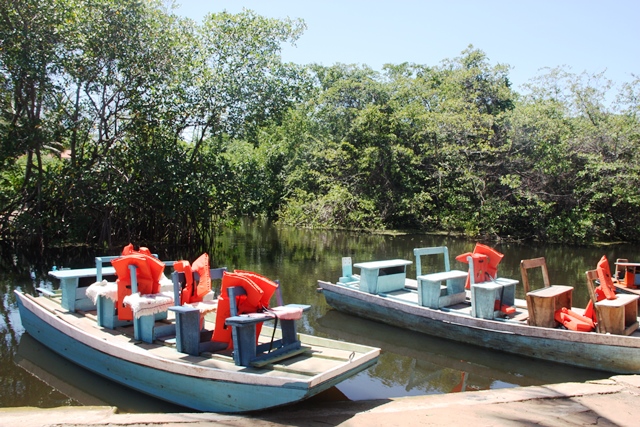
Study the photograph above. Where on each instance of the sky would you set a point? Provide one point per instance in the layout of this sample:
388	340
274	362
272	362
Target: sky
528	35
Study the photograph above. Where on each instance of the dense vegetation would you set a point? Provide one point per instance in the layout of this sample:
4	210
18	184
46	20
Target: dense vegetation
120	121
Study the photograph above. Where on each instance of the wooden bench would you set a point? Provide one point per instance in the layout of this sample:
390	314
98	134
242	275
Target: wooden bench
442	289
144	325
487	298
383	276
106	314
544	302
618	316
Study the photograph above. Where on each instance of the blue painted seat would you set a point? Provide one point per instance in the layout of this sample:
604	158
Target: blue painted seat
106	295
189	317
152	308
348	278
441	289
491	297
247	352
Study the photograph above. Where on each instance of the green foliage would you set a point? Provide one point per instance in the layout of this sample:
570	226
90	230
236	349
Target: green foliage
453	148
171	128
140	99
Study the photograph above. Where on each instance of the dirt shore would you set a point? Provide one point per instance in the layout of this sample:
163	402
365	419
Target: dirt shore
612	402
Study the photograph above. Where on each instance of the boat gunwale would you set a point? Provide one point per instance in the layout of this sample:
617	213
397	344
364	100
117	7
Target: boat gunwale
452	316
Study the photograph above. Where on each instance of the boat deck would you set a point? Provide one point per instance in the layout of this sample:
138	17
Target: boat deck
320	356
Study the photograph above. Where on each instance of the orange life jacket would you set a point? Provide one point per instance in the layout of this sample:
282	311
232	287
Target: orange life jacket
604	276
149	270
485	263
194	293
605	290
574	321
259	292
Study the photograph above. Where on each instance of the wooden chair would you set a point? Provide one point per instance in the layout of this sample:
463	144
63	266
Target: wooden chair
104	294
543	302
617	316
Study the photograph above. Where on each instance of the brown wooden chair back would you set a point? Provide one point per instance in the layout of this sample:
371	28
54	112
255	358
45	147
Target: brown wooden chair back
592	276
527	264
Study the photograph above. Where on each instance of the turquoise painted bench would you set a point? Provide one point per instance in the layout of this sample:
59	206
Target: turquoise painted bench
74	297
442	289
188	317
144	325
246	351
487	298
377	277
348	278
106	306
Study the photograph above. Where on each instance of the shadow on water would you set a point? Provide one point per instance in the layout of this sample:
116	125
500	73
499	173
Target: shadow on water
411	363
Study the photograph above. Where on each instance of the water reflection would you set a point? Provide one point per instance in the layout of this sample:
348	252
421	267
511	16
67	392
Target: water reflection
416	364
411	363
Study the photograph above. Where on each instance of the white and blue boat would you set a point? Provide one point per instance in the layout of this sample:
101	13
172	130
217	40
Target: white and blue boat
168	354
487	314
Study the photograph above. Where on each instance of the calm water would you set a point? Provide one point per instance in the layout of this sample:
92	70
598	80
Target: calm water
410	364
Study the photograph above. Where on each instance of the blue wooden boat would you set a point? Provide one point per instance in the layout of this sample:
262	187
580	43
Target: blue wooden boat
165	356
488	314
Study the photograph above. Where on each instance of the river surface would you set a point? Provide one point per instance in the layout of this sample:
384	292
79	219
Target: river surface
410	364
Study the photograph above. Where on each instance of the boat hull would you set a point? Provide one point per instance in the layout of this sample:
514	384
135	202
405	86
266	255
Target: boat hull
241	392
611	353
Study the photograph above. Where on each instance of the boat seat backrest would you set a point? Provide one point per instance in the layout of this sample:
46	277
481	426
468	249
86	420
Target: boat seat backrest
100	262
592	276
347	272
234	292
527	264
179	279
419	252
614	316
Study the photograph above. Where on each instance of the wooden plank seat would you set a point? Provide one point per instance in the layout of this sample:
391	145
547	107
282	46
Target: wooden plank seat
442	289
104	295
247	352
617	316
542	303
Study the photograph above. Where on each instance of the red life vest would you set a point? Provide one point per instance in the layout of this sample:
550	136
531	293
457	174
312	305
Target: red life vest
193	293
574	321
605	290
604	276
485	263
149	270
259	292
